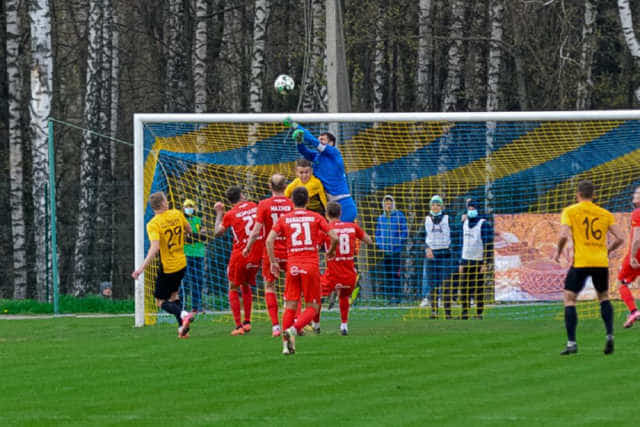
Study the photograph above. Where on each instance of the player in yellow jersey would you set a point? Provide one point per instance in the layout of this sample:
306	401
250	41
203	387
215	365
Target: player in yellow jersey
587	224
305	178
167	231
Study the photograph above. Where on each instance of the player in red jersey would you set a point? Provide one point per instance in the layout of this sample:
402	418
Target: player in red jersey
303	231
630	268
341	274
241	270
269	210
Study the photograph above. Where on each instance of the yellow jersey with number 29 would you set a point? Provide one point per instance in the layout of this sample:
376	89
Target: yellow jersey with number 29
169	228
589	224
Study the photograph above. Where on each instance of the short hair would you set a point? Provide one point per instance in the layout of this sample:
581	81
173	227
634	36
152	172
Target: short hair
156	200
300	197
234	193
303	163
586	189
330	136
334	210
278	182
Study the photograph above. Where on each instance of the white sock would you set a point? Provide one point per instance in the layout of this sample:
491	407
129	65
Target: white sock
315	325
275	328
183	314
571	343
343	326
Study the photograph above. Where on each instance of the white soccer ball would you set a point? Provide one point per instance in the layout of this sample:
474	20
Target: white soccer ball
284	84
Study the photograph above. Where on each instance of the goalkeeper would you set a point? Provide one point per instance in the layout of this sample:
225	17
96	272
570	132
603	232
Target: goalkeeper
328	167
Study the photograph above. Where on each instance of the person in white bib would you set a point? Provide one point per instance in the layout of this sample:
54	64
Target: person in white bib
437	255
476	239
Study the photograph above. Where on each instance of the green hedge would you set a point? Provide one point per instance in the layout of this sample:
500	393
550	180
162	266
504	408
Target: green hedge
67	304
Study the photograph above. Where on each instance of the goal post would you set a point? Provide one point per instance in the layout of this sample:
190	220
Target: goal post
522	167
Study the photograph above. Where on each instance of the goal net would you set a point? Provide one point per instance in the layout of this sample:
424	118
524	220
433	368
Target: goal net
518	169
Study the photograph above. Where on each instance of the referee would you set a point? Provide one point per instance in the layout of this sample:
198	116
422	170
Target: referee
587	224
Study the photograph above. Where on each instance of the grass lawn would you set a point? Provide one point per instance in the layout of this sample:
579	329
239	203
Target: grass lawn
102	371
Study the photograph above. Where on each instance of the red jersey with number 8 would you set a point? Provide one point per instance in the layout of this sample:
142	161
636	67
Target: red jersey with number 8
342	264
240	219
304	231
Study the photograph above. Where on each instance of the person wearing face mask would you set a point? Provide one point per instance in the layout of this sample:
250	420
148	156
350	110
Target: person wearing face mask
437	254
328	167
194	249
476	238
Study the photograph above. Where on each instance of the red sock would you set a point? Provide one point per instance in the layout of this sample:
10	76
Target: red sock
234	303
247	297
272	306
287	318
316	318
344	308
299	309
625	293
303	320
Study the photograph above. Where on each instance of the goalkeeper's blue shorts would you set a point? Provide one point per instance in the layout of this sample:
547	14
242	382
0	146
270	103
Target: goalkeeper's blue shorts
349	211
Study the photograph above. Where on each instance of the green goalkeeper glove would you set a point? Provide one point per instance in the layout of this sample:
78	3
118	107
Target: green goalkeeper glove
289	123
298	135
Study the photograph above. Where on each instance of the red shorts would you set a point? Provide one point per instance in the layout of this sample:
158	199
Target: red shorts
242	270
627	274
331	282
266	267
302	278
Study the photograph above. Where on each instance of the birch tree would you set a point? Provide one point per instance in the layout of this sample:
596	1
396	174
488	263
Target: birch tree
378	63
585	82
86	231
14	80
199	58
629	36
496	16
40	109
475	83
262	9
454	57
175	83
315	96
425	56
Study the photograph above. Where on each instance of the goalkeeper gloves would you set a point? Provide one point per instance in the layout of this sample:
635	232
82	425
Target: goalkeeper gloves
290	123
298	135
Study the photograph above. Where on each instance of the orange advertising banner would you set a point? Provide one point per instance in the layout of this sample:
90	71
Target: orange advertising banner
525	245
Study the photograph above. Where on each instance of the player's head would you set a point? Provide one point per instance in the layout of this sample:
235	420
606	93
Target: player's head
585	190
158	201
234	194
304	170
300	197
334	210
636	197
388	203
277	183
327	138
435	205
189	207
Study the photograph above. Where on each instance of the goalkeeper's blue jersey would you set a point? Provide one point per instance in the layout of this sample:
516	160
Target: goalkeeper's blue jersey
328	165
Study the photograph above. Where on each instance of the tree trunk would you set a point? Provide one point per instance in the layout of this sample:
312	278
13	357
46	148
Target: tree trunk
262	9
425	56
40	109
475	82
454	57
176	76
89	156
585	83
315	96
199	58
14	80
494	66
629	36
378	64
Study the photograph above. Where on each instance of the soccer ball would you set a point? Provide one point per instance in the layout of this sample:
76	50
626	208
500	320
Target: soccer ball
284	84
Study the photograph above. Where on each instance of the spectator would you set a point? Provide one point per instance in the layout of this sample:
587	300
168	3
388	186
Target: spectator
437	254
391	237
476	241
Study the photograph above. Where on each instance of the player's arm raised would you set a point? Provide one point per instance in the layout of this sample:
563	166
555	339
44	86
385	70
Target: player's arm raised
219	228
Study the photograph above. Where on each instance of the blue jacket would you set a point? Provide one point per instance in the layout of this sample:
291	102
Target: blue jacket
328	165
391	232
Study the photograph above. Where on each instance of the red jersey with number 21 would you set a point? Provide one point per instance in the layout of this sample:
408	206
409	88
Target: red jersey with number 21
240	219
342	264
304	231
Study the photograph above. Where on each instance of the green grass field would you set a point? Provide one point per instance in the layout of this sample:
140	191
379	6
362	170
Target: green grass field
102	371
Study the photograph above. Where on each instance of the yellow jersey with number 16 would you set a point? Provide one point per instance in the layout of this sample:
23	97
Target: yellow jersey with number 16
169	228
589	225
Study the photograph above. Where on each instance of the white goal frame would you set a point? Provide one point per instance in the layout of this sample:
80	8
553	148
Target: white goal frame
139	120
